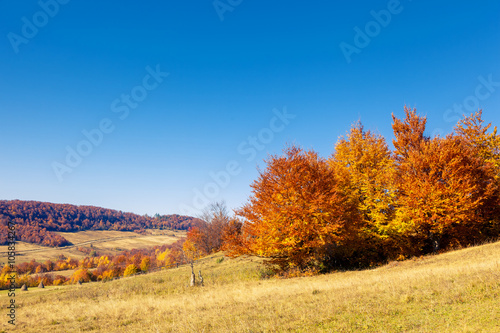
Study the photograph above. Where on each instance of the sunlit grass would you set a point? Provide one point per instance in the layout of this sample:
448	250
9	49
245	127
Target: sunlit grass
453	292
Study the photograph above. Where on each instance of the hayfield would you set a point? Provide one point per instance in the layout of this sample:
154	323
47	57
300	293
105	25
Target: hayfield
452	292
105	242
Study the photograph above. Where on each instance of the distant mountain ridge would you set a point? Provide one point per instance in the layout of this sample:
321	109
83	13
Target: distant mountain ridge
36	221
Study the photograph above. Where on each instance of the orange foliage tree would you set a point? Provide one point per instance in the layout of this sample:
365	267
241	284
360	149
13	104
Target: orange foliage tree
442	186
296	216
81	274
196	242
485	144
233	242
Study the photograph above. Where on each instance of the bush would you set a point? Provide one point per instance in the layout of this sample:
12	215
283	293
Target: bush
130	270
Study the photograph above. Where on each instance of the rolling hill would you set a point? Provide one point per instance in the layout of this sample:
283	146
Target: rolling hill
36	222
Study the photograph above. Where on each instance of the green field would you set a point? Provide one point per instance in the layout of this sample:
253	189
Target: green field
452	292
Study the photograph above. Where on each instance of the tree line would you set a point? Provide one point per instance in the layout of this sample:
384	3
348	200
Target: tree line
95	267
36	221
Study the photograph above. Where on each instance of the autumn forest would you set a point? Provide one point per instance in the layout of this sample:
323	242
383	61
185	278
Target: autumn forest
36	221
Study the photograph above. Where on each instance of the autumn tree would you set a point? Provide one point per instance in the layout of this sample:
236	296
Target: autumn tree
442	185
190	251
49	265
130	270
207	235
145	263
296	216
409	141
216	218
197	241
163	259
364	161
81	274
485	143
59	280
409	134
475	133
232	239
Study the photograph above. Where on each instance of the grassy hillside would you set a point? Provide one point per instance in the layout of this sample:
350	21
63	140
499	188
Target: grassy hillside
453	292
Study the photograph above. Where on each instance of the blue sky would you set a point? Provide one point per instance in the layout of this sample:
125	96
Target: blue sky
181	101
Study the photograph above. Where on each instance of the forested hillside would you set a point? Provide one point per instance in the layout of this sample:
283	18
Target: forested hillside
36	221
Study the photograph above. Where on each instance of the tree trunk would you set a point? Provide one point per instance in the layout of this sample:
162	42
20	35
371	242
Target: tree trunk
193	277
436	242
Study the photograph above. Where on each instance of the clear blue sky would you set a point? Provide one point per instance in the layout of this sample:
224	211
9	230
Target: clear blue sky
72	66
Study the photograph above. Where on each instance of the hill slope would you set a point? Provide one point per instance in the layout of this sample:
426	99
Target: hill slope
452	292
37	221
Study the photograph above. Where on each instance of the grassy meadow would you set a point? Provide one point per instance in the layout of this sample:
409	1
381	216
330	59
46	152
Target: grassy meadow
453	292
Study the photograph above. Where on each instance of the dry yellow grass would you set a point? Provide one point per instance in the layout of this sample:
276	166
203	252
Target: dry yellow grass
453	292
106	242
